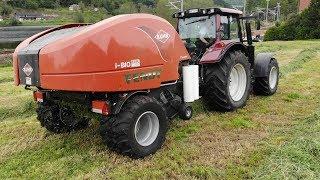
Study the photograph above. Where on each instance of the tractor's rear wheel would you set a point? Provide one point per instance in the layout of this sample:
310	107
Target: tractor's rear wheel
268	85
60	119
228	83
138	130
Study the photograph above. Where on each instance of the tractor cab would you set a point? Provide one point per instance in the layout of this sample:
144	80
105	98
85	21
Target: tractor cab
200	29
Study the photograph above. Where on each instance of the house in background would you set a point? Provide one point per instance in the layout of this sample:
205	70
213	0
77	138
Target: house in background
74	7
304	4
28	16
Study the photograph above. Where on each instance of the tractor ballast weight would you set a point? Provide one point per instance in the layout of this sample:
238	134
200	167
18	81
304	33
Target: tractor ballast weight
139	73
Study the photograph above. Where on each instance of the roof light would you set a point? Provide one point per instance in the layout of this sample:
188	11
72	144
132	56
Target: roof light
204	11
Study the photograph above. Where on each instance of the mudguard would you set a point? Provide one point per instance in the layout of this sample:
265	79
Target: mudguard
217	51
261	64
118	106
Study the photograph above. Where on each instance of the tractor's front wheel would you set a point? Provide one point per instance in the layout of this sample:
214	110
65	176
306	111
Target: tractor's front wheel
60	119
227	83
138	130
268	85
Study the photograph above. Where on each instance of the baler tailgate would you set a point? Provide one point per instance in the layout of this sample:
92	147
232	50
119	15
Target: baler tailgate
28	58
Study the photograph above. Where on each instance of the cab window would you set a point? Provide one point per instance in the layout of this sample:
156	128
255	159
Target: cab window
229	28
224	28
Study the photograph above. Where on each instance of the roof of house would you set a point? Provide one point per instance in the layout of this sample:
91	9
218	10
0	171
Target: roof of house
303	4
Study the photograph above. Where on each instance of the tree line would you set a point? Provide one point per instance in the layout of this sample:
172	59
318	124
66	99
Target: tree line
305	25
287	6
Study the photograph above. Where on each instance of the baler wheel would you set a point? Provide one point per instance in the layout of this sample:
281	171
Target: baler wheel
185	112
59	119
138	130
268	85
228	83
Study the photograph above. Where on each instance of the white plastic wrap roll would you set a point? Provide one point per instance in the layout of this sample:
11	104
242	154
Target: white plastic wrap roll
190	83
196	84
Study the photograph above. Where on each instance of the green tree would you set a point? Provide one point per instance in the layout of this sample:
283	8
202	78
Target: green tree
67	3
82	6
97	3
78	17
128	7
30	4
112	6
5	10
198	4
50	4
287	6
302	26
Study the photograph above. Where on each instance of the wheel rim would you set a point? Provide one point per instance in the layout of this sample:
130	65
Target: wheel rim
273	77
146	128
188	112
238	82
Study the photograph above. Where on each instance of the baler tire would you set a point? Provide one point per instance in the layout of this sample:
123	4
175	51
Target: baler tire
216	92
185	112
261	85
118	133
49	116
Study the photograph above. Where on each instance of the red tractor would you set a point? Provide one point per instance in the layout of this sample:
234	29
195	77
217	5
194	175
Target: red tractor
139	73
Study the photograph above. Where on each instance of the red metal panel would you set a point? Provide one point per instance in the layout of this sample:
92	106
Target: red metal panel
216	51
98	58
303	4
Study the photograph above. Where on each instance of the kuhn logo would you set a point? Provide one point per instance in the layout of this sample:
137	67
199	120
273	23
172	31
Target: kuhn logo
27	69
162	36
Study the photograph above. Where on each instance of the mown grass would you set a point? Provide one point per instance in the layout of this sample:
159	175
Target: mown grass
6	73
271	138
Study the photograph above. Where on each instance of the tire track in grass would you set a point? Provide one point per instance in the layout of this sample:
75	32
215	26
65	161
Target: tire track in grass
211	141
289	149
304	57
299	156
192	137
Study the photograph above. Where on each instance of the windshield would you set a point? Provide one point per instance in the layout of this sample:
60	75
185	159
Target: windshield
197	27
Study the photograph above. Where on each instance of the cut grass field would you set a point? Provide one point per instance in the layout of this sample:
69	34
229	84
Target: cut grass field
274	137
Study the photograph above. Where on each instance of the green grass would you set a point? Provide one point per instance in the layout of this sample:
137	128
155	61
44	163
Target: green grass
6	74
275	137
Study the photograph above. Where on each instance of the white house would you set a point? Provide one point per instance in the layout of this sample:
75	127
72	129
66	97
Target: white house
74	7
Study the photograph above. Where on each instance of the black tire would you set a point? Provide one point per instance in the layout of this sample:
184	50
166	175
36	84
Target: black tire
216	93
185	112
262	85
118	131
59	119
